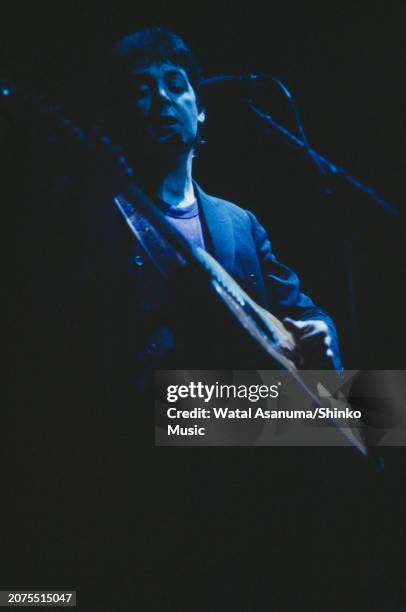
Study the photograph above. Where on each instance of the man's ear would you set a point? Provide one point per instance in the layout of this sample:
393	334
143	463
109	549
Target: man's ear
201	117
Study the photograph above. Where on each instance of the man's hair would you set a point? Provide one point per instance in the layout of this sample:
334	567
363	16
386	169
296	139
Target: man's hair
156	45
140	49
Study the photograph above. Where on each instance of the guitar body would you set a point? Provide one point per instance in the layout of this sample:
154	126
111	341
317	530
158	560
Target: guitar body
222	329
210	308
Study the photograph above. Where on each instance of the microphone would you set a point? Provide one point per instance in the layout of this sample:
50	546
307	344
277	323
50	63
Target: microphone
225	79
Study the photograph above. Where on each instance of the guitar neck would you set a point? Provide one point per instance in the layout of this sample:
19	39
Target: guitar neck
265	322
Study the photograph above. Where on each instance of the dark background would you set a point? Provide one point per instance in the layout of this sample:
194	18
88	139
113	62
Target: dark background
343	62
261	529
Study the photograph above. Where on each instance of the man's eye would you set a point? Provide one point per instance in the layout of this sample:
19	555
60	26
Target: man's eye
177	84
140	89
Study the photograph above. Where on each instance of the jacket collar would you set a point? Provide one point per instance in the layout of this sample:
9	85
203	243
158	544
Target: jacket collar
218	224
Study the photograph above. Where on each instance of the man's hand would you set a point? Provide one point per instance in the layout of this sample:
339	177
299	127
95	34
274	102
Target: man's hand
314	343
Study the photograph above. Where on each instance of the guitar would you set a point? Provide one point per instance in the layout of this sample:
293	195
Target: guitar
149	226
144	219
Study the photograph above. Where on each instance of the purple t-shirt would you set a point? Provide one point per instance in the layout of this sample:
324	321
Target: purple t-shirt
187	221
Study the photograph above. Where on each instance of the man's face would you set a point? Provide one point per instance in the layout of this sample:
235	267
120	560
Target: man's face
165	105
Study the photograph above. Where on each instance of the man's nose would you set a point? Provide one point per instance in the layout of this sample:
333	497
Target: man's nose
162	93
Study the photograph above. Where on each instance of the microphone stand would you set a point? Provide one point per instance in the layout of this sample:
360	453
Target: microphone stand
325	166
332	175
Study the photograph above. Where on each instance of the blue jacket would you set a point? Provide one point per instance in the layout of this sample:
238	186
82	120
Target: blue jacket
138	320
240	243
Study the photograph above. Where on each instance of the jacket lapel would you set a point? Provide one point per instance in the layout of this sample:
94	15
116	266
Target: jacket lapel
218	224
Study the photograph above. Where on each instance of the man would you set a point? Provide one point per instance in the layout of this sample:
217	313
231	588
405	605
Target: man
155	113
100	320
90	501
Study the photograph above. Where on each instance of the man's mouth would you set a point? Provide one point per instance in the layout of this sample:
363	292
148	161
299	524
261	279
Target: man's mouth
166	121
165	127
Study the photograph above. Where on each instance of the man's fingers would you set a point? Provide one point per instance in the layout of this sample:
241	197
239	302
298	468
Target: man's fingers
296	327
313	341
318	334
